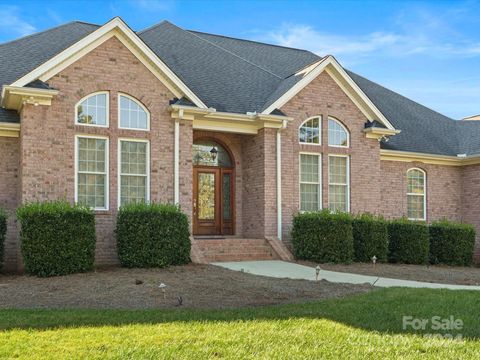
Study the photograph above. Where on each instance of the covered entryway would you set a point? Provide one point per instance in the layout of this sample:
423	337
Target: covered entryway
213	188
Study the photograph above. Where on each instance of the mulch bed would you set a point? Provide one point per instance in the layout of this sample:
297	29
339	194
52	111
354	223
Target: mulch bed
438	273
200	286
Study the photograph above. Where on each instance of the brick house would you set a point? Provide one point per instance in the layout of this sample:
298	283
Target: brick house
241	134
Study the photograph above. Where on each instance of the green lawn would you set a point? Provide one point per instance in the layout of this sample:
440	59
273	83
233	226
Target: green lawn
363	326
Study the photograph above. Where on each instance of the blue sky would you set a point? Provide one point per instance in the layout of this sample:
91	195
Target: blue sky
427	51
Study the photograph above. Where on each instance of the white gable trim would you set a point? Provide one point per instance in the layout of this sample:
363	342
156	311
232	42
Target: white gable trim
339	75
115	27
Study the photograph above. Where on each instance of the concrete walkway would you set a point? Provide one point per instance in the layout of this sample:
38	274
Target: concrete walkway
283	269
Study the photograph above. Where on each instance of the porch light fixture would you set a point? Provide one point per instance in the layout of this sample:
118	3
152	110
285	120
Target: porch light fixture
213	153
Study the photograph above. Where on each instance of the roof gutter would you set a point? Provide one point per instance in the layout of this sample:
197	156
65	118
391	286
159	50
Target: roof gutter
448	160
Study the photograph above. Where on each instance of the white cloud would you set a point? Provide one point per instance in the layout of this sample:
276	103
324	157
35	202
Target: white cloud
12	22
378	43
413	30
306	37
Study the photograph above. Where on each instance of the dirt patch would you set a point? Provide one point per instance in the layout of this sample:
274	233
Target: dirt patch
200	286
438	274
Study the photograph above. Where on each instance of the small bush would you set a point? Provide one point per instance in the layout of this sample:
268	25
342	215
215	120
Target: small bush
56	238
152	235
370	238
3	234
323	237
451	243
409	241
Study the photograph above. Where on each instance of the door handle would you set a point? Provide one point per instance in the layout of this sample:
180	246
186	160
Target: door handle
194	207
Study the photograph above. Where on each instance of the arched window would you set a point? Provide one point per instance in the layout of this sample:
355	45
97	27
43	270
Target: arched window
210	153
309	132
337	133
93	110
132	114
416	190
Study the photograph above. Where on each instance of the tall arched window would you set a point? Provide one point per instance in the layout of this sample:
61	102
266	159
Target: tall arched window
416	190
337	133
309	132
93	110
132	114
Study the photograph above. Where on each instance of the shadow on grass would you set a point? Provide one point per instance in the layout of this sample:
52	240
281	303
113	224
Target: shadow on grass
380	311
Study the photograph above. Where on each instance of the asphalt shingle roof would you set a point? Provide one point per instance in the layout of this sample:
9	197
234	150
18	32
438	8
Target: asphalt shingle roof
240	76
9	116
19	57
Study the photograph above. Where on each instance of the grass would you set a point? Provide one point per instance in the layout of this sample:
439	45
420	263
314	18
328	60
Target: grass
362	326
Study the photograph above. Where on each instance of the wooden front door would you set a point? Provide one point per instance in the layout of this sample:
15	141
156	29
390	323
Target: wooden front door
213	191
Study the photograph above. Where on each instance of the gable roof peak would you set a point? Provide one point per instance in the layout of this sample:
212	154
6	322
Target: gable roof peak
154	26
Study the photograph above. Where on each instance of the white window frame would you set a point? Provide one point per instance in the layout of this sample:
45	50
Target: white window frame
320	122
300	182
107	169
343	127
138	102
347	178
119	167
107	104
415	194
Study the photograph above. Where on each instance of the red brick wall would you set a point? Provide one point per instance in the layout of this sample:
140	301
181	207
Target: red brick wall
325	98
47	136
444	190
259	184
9	192
470	200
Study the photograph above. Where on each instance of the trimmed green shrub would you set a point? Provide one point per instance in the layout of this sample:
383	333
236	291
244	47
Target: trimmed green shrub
323	237
409	241
3	234
152	235
370	238
56	238
451	243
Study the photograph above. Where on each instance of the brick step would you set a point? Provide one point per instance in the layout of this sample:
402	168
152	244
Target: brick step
235	247
232	249
224	242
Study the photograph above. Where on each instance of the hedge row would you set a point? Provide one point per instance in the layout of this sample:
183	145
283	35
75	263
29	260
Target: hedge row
3	233
59	239
56	238
451	243
323	237
152	235
341	238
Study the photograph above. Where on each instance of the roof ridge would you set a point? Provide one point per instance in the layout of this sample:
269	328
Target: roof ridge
252	41
47	30
232	53
153	26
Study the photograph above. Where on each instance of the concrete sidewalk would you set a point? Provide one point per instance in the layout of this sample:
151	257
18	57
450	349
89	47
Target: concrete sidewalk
283	269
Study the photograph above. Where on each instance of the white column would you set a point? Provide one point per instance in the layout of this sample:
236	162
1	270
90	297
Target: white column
279	184
176	164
